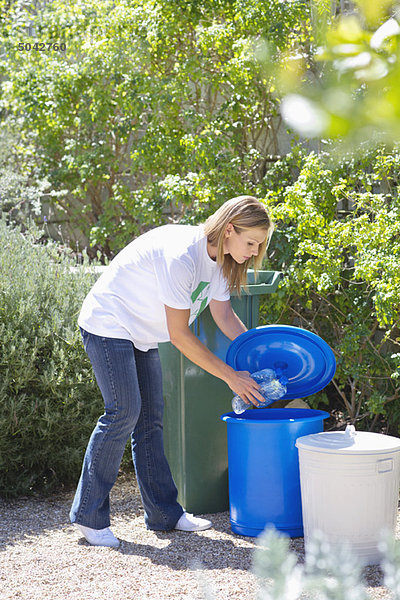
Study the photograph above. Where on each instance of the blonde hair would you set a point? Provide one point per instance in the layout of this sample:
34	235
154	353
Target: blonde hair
244	212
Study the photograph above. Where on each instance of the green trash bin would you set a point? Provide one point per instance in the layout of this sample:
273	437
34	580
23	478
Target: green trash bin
194	436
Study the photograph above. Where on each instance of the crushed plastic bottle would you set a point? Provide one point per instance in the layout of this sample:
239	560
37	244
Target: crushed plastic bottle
272	386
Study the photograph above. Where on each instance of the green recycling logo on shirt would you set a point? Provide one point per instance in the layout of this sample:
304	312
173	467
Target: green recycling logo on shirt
199	297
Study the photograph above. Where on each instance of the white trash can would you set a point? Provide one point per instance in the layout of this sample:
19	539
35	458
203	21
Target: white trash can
349	485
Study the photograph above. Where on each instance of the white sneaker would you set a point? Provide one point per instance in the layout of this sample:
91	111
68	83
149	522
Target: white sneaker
188	522
99	537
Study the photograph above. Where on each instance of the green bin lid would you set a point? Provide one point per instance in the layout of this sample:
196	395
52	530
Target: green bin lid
266	282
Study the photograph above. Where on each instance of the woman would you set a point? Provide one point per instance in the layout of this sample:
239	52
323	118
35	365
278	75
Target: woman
151	292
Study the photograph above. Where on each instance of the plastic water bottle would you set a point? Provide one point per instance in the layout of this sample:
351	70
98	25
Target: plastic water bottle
272	386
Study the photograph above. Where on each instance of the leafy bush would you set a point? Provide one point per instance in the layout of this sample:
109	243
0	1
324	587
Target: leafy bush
49	399
338	241
130	130
330	572
352	91
20	194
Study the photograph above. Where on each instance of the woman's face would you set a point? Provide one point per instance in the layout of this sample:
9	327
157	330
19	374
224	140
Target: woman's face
242	246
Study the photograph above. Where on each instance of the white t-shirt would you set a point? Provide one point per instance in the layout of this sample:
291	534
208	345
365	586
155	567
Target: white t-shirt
167	265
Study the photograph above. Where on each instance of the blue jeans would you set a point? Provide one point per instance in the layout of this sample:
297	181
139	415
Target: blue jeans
131	385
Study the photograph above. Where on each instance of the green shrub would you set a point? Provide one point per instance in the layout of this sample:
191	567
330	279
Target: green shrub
130	131
328	572
49	399
338	240
20	194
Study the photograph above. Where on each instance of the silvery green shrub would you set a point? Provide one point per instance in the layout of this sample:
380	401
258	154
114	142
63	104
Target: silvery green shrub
49	400
328	573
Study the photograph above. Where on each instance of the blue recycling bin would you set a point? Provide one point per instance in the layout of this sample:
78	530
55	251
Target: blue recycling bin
263	468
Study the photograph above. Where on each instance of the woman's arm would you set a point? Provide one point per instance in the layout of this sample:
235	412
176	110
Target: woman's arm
226	318
182	338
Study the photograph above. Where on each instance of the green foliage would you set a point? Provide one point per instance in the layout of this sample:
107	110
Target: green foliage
279	574
49	399
330	572
20	194
338	241
349	88
155	111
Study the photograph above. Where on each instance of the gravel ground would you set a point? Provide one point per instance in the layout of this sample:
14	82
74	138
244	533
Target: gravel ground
42	556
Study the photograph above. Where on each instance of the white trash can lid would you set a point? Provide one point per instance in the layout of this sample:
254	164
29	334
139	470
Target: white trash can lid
349	442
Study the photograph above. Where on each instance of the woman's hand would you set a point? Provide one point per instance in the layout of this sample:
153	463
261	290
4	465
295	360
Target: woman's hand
244	386
183	338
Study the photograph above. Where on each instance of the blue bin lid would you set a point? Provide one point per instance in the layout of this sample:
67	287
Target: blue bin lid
303	357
